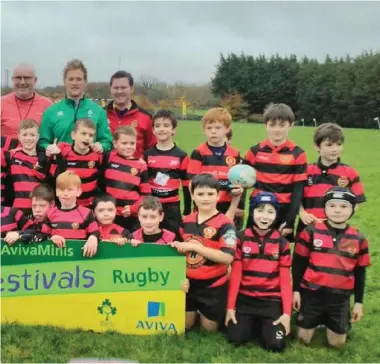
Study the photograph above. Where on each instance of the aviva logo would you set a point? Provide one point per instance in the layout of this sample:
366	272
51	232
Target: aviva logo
156	309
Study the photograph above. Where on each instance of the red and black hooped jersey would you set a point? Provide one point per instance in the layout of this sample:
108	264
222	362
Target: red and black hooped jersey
167	169
126	180
218	232
26	173
332	258
11	220
321	178
4	174
31	224
166	237
278	168
112	232
203	160
77	223
85	166
9	143
37	226
262	257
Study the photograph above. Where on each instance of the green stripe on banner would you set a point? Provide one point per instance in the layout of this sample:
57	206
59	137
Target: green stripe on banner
93	276
47	252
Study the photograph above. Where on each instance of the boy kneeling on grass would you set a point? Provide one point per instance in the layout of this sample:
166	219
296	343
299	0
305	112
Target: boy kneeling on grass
329	264
260	292
209	243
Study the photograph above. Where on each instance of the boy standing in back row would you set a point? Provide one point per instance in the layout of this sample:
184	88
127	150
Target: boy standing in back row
167	170
216	156
125	177
26	168
80	158
280	165
327	172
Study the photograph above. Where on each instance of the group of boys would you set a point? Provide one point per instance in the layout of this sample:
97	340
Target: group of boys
238	278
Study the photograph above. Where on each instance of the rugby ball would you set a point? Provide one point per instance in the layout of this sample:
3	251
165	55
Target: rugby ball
242	174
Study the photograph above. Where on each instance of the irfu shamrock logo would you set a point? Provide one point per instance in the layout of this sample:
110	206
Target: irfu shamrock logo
107	309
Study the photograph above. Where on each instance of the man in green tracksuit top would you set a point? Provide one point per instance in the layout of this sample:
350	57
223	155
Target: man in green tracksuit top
58	120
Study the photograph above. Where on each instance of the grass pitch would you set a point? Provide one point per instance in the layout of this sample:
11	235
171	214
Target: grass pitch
362	150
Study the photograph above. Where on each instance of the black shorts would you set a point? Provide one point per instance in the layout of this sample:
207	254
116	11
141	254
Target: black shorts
260	307
209	301
256	316
172	218
323	308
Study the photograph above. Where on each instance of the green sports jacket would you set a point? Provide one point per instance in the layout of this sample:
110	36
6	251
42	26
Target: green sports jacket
58	122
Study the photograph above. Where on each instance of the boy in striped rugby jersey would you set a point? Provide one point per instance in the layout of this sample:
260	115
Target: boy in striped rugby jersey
150	216
125	177
104	207
329	265
70	221
216	156
260	293
35	229
280	165
80	158
167	169
209	241
26	168
326	173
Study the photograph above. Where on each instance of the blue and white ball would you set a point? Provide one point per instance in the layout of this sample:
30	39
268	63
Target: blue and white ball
242	174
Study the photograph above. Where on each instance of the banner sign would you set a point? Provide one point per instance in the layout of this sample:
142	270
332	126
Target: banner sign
130	290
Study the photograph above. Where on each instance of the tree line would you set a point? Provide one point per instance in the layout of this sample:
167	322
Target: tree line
149	92
343	90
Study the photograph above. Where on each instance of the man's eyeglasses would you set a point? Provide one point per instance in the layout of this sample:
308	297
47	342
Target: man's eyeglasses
20	78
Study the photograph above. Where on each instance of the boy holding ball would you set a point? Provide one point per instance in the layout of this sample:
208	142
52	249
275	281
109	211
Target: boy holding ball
216	156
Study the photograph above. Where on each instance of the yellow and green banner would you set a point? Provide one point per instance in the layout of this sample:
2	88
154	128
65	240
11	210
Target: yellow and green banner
130	290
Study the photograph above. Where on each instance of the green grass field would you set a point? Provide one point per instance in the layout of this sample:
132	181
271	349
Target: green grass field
43	344
190	111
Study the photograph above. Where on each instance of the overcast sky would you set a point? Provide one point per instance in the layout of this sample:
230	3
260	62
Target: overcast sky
177	40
